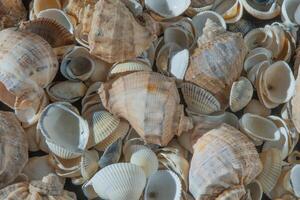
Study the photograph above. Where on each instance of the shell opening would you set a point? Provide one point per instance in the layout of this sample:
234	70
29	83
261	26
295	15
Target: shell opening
80	65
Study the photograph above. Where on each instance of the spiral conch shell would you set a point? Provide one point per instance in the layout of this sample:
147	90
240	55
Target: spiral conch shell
115	34
11	13
149	102
220	163
217	62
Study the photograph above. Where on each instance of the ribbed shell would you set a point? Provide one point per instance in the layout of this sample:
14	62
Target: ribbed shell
217	62
223	158
115	34
149	102
13	148
146	159
11	13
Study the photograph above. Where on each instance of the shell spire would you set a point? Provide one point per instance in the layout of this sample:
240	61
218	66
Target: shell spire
210	31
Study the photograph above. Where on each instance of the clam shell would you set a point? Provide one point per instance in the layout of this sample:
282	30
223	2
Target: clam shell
164	184
89	164
289	11
235	13
112	154
124	181
199	100
259	37
272	164
131	146
255	57
263	11
255	189
294	157
240	94
68	91
179	63
177	36
146	159
294	105
65	164
40	5
294	178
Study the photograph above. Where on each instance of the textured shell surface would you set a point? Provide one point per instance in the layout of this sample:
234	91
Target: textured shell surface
117	37
112	154
151	104
226	163
8	18
217	62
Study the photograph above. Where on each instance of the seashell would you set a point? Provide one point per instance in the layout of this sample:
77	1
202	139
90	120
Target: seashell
59	16
217	150
160	93
146	159
166	8
290	12
163	184
294	157
179	62
68	91
65	131
235	13
259	129
177	36
256	56
259	37
255	189
30	134
294	178
294	105
199	100
89	164
242	26
54	33
200	20
112	154
125	41
131	146
262	10
272	164
236	192
240	94
100	73
256	72
77	64
14	148
67	165
124	181
8	18
21	84
199	6
40	5
216	75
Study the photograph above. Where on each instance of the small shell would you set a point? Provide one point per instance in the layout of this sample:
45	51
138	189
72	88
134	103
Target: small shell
179	63
289	11
255	57
263	11
235	13
40	5
272	164
177	36
68	91
255	189
294	157
164	184
112	154
89	164
199	100
255	107
295	174
66	164
242	26
240	94
131	146
146	159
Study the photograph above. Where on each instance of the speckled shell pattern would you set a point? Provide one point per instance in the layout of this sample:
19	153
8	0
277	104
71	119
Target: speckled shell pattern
151	104
217	61
11	12
223	158
115	34
13	148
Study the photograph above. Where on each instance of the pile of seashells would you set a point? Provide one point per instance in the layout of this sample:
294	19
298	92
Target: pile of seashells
149	99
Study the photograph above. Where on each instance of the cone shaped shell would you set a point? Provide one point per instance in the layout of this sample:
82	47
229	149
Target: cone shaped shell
240	94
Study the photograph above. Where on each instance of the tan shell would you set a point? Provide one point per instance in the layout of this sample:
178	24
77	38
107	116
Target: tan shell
9	18
14	147
119	38
40	5
217	62
295	105
151	104
255	107
220	162
74	7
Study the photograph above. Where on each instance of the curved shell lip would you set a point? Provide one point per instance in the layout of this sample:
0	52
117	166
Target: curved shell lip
81	38
273	12
175	11
238	15
294	178
289	8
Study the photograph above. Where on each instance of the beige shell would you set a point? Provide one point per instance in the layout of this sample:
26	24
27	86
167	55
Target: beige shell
27	64
14	147
122	37
40	5
157	120
255	190
263	11
226	163
217	62
255	107
9	18
89	164
295	105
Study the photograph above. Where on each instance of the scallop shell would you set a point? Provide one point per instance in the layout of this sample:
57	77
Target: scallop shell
255	189
263	11
294	178
40	5
146	159
65	131
199	100
54	33
14	148
68	91
89	164
159	93
131	146
217	75
21	84
226	163
8	18
122	38
289	11
272	164
164	184
112	154
240	94
124	181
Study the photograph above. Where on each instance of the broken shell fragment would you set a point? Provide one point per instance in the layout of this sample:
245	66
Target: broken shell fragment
255	189
112	154
89	164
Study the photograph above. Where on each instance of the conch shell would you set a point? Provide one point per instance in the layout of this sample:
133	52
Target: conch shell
115	34
151	104
217	62
223	160
11	13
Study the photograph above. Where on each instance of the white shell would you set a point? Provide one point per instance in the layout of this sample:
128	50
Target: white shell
255	190
271	160
179	63
289	10
164	184
295	181
272	12
146	159
256	56
240	94
89	164
124	181
297	15
164	55
259	128
131	146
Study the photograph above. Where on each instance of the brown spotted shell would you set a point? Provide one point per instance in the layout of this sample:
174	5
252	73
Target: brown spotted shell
13	148
11	13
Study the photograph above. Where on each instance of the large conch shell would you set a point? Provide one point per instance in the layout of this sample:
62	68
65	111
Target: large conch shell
49	188
217	62
27	64
119	38
11	13
14	148
220	163
151	104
